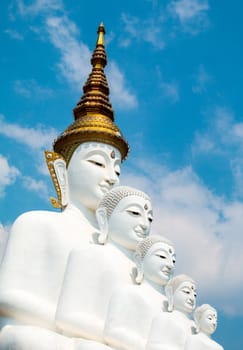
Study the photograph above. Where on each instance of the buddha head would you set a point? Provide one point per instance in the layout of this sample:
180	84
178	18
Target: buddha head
93	170
155	259
86	160
181	294
124	216
205	317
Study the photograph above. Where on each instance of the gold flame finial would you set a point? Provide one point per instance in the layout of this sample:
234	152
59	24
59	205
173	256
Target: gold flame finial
93	114
101	33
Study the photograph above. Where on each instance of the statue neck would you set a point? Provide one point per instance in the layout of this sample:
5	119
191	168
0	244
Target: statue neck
88	214
182	314
128	253
205	335
159	288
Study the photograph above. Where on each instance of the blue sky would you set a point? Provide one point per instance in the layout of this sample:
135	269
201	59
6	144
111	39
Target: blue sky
175	74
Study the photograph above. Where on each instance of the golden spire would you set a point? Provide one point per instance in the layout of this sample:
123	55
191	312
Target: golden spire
93	114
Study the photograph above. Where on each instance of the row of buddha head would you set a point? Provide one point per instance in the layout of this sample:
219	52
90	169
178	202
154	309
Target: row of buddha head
124	217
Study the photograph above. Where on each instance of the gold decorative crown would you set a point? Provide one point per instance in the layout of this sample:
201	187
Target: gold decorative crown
94	116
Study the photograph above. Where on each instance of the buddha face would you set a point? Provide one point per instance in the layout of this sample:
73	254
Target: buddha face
184	298
130	221
208	321
159	263
93	170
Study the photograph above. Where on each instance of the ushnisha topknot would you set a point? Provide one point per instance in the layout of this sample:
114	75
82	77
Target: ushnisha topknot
144	246
93	114
115	195
175	282
200	310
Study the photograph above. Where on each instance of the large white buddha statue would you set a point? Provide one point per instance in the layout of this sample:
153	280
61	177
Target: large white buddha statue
132	308
205	317
170	330
85	165
94	272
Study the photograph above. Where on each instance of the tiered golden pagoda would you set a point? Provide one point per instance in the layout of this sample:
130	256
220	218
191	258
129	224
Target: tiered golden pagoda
94	116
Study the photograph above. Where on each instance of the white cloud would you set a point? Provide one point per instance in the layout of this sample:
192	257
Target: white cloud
120	94
75	61
192	14
223	138
75	56
37	186
30	88
74	64
206	230
39	137
39	6
14	34
202	79
170	90
8	175
148	30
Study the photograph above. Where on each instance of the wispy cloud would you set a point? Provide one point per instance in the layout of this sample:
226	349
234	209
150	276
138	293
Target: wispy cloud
74	62
191	14
39	137
201	80
206	230
30	88
170	90
39	6
121	96
37	186
14	34
223	138
8	175
75	56
148	30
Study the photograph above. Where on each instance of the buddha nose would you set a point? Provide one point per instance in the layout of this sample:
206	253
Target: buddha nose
111	178
144	225
170	264
111	182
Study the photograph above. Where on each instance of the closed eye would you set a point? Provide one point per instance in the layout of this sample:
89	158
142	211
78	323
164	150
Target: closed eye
186	291
96	163
134	213
161	256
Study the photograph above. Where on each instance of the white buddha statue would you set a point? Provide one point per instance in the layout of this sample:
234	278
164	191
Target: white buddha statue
205	317
170	330
85	164
132	308
94	272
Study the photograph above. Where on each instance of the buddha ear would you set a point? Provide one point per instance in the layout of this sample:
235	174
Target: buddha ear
197	325
139	267
58	171
169	294
197	328
101	216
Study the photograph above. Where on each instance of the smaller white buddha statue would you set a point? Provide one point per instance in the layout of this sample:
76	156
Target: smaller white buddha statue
170	330
94	272
205	317
132	308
